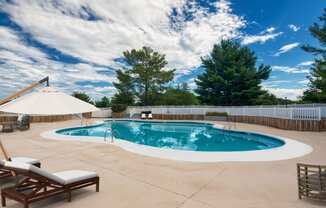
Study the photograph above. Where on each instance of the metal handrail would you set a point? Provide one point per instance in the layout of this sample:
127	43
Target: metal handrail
109	129
106	134
112	135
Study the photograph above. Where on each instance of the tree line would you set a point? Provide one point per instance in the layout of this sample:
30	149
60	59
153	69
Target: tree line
231	77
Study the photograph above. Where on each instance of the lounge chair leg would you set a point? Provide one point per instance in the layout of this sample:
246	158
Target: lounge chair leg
3	200
26	205
69	196
98	186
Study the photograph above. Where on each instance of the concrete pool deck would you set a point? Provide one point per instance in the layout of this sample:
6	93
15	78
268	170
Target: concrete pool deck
132	180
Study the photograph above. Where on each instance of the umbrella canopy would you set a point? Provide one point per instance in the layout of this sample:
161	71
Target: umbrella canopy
47	101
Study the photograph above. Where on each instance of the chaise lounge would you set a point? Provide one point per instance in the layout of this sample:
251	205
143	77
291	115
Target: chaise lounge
23	122
39	184
146	115
7	173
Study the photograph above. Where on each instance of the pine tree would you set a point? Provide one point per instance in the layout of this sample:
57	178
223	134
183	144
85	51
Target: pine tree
83	96
317	85
148	74
103	103
125	87
231	76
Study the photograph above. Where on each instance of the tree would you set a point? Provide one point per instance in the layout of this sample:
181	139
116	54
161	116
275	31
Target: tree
118	108
266	99
103	103
125	87
83	96
317	78
148	73
231	76
178	97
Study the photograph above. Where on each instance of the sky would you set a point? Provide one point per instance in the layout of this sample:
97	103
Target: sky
79	43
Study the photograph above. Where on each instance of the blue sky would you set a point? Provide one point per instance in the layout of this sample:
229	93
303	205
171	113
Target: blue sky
79	43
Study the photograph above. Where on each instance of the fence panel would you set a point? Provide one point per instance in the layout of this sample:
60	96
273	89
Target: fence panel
295	113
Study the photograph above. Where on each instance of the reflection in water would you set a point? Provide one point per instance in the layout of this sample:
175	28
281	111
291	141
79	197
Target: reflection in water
182	136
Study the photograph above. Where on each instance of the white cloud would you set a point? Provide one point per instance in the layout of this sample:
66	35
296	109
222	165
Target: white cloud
250	39
192	84
23	64
292	94
126	25
286	48
14	47
288	69
304	82
103	89
262	37
268	30
294	28
306	63
275	83
120	25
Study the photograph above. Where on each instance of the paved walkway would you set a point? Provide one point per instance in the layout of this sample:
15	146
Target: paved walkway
131	180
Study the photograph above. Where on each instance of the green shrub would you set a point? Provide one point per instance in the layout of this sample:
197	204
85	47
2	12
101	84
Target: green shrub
216	114
118	108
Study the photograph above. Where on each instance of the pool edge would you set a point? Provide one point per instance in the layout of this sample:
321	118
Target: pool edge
291	148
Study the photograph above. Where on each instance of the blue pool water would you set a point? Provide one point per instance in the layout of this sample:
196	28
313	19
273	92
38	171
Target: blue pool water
178	135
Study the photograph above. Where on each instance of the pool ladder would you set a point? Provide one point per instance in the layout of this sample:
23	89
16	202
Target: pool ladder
227	128
108	130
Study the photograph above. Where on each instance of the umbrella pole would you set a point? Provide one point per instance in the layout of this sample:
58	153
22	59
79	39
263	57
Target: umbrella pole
81	119
5	154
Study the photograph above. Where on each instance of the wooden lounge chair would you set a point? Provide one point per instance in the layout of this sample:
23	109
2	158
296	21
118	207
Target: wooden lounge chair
8	127
7	173
39	184
23	122
146	114
311	181
4	172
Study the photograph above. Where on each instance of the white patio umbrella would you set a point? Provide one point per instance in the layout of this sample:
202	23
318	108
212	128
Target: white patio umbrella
47	101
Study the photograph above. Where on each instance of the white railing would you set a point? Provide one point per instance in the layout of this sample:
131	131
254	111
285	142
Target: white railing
295	113
323	112
103	113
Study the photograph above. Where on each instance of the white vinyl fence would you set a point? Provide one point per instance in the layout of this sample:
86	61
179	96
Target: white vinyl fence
103	113
295	113
323	112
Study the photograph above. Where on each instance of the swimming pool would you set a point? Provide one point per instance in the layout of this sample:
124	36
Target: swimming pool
185	141
188	136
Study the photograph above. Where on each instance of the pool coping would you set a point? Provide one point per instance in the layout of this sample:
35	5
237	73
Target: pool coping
291	148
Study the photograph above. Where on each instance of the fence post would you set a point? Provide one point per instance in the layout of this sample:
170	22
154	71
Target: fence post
259	112
274	112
